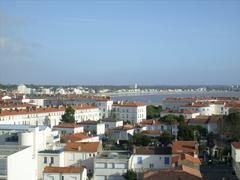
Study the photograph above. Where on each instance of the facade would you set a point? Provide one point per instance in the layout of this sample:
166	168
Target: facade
22	89
235	148
95	127
111	165
48	116
66	173
112	123
16	162
68	128
81	154
134	112
146	158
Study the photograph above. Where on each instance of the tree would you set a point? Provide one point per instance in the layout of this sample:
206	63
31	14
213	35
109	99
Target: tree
153	111
68	116
231	125
166	138
139	139
185	132
170	119
131	175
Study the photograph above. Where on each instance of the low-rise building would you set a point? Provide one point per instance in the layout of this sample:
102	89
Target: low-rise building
235	148
68	128
111	165
185	147
94	127
112	123
16	162
79	137
64	173
145	158
134	112
82	154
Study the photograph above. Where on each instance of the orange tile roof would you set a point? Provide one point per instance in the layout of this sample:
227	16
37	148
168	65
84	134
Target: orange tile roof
184	147
182	173
44	110
75	137
71	169
67	125
83	146
129	104
151	132
190	158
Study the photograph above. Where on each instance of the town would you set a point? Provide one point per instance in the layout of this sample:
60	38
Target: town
56	136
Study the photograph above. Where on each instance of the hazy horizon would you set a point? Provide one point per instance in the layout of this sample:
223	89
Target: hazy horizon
120	42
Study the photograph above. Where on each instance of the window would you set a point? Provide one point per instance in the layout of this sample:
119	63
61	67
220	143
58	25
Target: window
151	165
139	160
166	160
90	155
52	160
62	177
45	160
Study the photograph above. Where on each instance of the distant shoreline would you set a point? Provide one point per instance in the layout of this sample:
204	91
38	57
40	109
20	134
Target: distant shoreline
163	93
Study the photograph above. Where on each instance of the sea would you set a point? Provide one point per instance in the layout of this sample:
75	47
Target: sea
157	99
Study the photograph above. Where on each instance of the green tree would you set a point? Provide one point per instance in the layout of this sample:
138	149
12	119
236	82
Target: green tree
185	132
166	138
232	125
139	139
131	175
153	111
170	119
68	116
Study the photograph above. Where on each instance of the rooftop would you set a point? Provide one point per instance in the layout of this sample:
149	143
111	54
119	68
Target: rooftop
153	150
7	150
114	155
51	169
83	146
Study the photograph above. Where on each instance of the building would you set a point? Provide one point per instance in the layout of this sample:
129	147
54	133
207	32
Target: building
145	158
82	154
122	133
187	114
51	156
22	89
111	165
112	123
64	173
68	128
94	127
181	173
134	112
16	162
158	125
185	147
50	116
79	137
235	148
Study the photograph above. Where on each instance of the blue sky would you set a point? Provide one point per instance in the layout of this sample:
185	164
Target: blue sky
120	42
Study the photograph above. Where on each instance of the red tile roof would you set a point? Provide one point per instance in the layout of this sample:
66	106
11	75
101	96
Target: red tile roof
182	173
67	125
75	137
185	147
129	104
51	169
83	146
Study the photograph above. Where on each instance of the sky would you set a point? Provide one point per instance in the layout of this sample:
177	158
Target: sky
66	42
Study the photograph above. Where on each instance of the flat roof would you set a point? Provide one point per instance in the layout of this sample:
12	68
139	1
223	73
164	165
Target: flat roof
7	150
121	155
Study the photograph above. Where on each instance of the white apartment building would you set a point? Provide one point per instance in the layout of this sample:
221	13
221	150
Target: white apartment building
235	147
81	154
16	162
68	128
47	116
51	156
111	165
22	89
112	123
150	158
105	107
94	127
134	112
187	114
65	173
